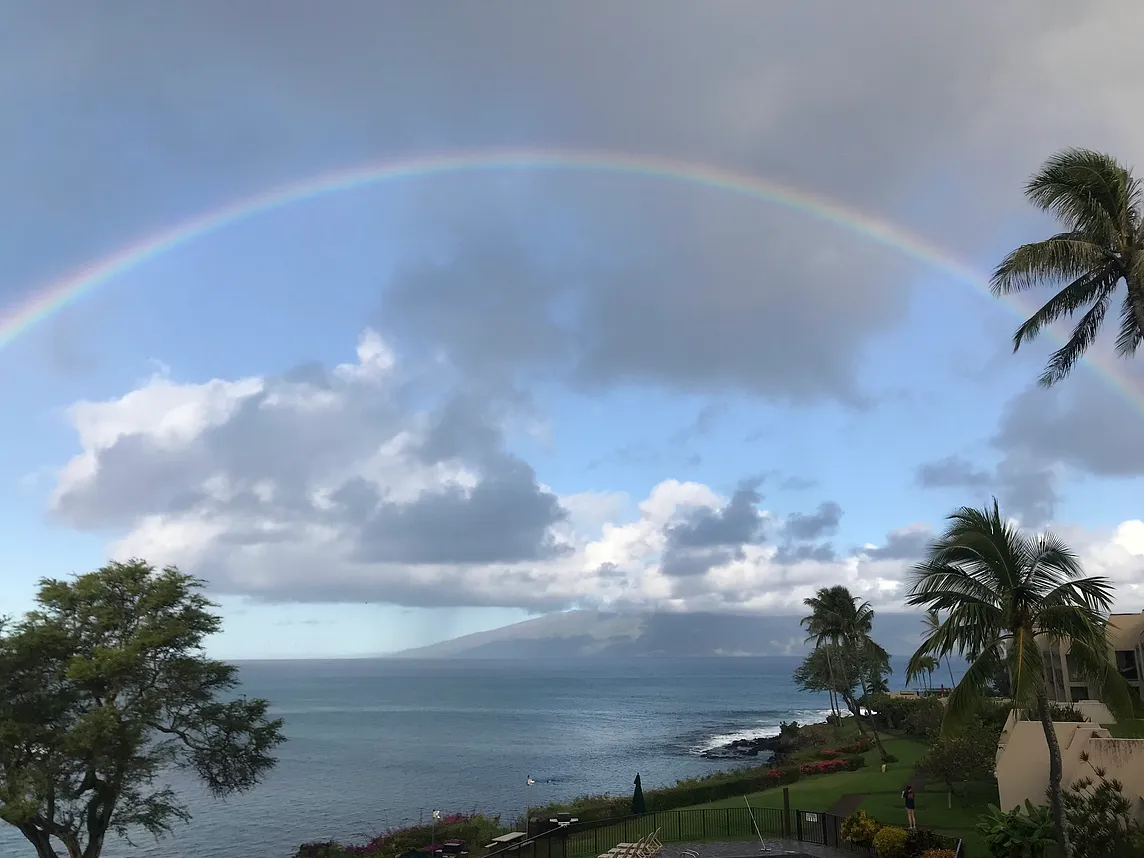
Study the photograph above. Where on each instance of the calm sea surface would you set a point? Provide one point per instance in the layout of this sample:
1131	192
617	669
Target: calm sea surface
379	743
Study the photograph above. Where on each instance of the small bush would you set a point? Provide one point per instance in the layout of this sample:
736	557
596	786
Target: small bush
938	853
860	829
921	840
822	767
1066	712
854	763
789	730
828	754
890	842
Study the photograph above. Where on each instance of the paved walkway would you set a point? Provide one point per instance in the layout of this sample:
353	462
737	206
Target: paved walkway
752	849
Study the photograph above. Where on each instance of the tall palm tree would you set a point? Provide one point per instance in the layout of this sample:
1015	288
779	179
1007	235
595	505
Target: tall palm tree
1100	205
1000	589
932	622
838	617
924	669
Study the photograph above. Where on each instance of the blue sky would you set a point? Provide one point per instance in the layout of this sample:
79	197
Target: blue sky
542	376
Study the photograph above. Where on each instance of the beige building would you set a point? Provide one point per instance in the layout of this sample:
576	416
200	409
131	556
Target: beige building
1023	761
1066	685
1022	754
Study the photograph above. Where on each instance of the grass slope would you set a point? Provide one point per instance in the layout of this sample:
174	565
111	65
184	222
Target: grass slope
881	798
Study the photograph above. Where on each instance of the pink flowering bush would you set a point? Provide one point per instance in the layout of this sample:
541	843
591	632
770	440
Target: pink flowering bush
822	767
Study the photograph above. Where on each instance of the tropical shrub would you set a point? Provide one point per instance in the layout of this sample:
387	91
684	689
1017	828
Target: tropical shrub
1100	819
890	842
1066	712
920	840
789	730
822	767
1026	831
915	715
860	829
854	763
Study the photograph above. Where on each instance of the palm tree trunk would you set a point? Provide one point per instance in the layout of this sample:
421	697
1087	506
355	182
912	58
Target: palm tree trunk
949	667
1056	773
874	727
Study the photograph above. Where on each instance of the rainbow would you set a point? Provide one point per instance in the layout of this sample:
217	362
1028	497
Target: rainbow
53	297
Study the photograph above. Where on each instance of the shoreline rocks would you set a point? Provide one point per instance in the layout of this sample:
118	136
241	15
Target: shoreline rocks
765	746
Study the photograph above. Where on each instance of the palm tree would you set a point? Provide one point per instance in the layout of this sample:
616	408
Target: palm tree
932	622
925	667
1000	589
1099	203
838	617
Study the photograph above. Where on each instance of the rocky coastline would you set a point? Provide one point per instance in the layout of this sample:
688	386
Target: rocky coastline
762	746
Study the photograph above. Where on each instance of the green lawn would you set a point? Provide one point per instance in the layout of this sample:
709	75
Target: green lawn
1130	729
819	793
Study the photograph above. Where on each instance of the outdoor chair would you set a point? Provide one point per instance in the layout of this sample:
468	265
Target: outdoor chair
646	847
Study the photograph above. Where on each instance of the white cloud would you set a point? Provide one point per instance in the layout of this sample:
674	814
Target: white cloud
324	486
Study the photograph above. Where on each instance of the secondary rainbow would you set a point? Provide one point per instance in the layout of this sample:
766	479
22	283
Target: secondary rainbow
53	297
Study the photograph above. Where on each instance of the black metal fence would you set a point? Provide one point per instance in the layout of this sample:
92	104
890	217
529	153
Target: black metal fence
590	839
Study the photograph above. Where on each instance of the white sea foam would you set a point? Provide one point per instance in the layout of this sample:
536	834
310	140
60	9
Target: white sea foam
763	727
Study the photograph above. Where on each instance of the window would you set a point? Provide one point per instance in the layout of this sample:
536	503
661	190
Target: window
1126	664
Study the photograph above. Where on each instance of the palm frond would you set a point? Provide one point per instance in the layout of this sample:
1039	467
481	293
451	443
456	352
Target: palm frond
1026	667
1062	361
1095	661
1087	190
966	697
1066	256
1095	594
1092	287
1130	335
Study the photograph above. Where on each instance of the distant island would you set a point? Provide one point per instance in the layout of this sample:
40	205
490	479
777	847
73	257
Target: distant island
594	634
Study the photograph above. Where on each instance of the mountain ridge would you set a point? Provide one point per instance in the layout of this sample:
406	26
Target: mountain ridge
600	634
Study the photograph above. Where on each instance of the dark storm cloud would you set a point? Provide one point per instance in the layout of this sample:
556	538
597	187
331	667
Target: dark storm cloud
1083	423
1025	485
806	527
908	544
506	518
714	537
684	289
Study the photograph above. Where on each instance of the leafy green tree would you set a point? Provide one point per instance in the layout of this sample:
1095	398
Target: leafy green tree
840	619
1099	203
105	687
962	756
999	590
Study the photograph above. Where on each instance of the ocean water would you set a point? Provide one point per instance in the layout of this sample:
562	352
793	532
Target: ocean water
380	743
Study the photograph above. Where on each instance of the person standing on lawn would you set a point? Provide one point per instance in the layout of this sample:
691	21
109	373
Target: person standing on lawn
908	797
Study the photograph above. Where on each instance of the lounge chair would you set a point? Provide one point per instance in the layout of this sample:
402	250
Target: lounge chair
647	846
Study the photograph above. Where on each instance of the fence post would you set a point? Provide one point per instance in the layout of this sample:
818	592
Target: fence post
798	824
786	812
